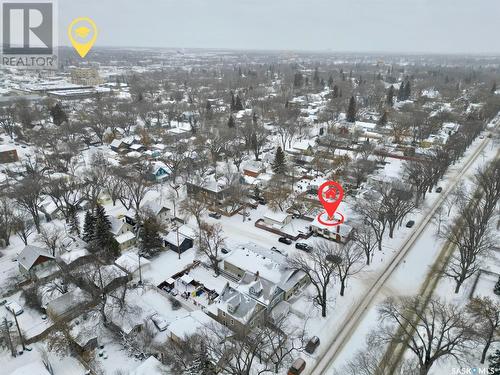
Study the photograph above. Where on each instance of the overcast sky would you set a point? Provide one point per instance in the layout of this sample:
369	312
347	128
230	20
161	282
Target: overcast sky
434	26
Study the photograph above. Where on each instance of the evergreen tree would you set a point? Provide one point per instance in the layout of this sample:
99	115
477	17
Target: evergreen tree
149	236
494	363
298	80
330	81
208	106
103	239
230	122
382	121
58	114
407	92
316	80
238	106
351	110
494	87
335	91
390	96
279	163
401	92
88	227
74	222
233	103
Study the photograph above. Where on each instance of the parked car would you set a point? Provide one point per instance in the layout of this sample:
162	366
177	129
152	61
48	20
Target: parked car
174	292
303	246
285	240
410	224
312	344
439	189
159	322
215	215
14	308
224	251
297	367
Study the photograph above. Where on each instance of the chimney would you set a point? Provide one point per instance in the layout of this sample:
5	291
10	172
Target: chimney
256	275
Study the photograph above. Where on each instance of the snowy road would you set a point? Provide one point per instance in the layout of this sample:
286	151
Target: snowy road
378	287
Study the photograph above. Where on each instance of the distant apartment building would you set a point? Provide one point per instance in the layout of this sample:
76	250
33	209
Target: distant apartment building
85	76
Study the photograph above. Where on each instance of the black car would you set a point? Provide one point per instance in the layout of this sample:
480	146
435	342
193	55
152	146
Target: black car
285	240
410	224
215	215
303	246
224	251
439	189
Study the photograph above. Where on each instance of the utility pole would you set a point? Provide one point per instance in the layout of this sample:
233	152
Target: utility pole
7	336
140	272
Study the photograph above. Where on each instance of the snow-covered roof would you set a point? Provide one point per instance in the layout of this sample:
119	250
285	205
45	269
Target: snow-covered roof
190	324
150	366
30	254
277	216
129	261
127	236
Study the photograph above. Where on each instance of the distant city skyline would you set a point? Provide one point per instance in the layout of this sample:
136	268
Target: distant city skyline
371	26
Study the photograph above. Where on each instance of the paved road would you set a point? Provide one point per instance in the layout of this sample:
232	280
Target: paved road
350	324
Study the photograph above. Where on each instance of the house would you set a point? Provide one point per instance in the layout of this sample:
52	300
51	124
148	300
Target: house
253	169
157	209
210	189
186	326
33	258
50	210
236	311
130	262
160	171
119	146
69	305
277	219
303	147
8	154
264	280
82	332
178	242
126	240
150	366
340	233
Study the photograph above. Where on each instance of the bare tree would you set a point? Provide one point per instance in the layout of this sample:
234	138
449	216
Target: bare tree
397	203
7	222
194	206
320	268
485	315
473	238
210	242
440	330
51	237
365	239
28	197
23	226
374	216
349	261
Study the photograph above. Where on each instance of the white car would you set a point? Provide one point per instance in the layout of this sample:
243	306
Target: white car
14	308
159	322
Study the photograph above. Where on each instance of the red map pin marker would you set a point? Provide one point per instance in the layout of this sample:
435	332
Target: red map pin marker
330	195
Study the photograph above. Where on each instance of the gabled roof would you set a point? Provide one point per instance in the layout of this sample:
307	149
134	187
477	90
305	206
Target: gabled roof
30	254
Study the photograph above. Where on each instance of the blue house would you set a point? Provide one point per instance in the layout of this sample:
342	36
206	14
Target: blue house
160	171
